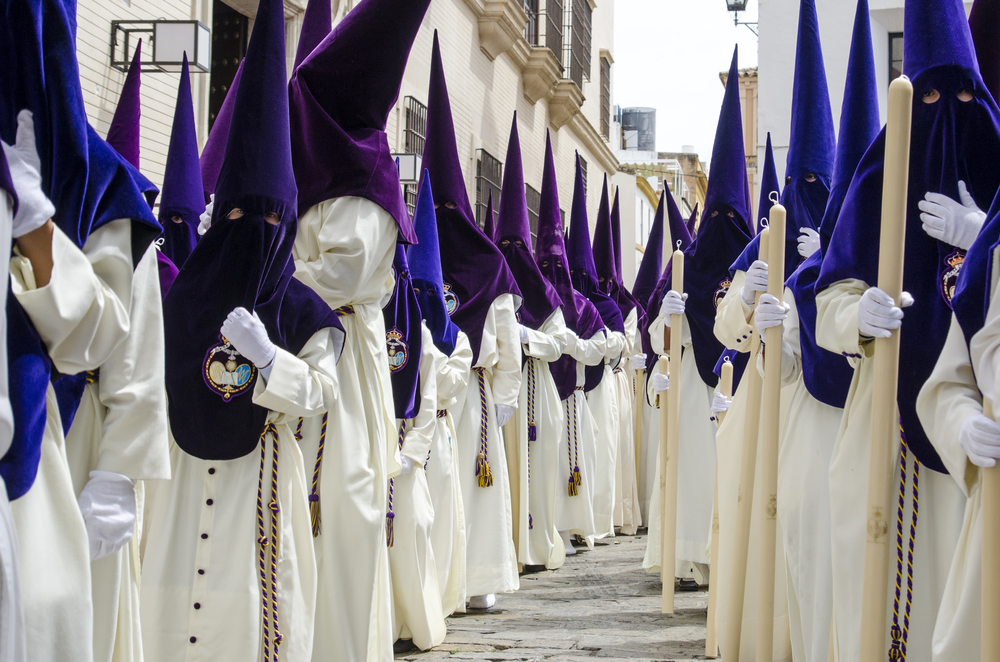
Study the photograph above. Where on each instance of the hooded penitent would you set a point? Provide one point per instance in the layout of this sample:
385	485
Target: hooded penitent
215	146
583	271
811	147
827	375
241	261
403	339
581	315
607	246
88	182
341	96
123	133
984	22
475	273
513	238
955	136
722	235
769	185
425	268
317	23
183	199
648	275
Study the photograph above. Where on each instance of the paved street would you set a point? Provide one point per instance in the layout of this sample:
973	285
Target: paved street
599	604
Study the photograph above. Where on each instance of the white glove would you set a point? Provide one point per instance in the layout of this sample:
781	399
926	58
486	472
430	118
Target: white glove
247	334
770	312
33	206
206	217
949	221
756	281
720	404
878	315
673	304
808	242
107	504
660	382
523	332
406	464
504	412
639	361
980	439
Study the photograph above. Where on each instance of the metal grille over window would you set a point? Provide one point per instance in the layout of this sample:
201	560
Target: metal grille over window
583	169
577	19
895	55
489	177
531	28
416	126
410	197
534	200
606	98
554	27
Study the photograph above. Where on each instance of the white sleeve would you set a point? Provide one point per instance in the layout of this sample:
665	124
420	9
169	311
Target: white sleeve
732	319
589	352
418	438
837	318
501	321
303	385
547	344
453	378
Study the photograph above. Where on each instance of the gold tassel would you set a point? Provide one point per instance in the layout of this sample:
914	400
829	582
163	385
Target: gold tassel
576	476
572	487
314	514
389	537
483	471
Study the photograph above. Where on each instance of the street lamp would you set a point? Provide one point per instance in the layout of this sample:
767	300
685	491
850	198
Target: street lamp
170	40
737	6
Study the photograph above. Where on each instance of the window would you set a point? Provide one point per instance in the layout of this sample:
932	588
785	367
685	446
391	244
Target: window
416	126
606	97
230	31
531	29
583	169
576	45
489	177
895	55
534	200
553	27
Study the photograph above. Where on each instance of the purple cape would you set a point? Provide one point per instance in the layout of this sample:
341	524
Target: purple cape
403	339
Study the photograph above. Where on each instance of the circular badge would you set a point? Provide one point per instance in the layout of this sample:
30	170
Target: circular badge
451	301
720	293
952	267
399	353
227	372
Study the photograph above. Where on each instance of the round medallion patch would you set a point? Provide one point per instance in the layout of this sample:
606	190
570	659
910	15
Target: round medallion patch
451	301
227	372
949	278
720	293
399	353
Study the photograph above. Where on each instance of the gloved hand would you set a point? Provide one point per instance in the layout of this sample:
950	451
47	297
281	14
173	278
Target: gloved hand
878	316
720	404
107	504
523	333
33	206
406	464
980	439
756	281
808	242
247	334
673	304
660	382
504	412
955	223
206	218
770	312
639	361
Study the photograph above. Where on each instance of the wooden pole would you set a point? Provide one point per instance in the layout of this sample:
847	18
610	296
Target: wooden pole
668	528
711	636
885	423
666	574
744	505
770	413
991	566
640	402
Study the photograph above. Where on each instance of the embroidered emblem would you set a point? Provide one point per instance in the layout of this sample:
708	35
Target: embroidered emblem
953	265
451	301
227	372
399	353
720	293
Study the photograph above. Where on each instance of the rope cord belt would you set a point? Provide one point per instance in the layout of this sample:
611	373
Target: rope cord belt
93	376
532	430
314	515
344	310
897	650
441	413
269	546
572	448
483	472
391	516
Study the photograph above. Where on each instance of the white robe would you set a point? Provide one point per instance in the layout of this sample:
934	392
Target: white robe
491	560
649	442
81	318
416	593
448	527
201	593
343	251
942	503
533	463
603	401
121	426
626	512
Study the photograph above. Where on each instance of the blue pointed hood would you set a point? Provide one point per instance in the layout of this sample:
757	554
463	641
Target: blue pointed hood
984	23
812	140
728	190
123	133
768	183
937	34
651	265
678	226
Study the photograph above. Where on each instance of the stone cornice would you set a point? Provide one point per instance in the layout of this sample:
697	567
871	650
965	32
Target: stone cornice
593	141
501	24
565	103
540	72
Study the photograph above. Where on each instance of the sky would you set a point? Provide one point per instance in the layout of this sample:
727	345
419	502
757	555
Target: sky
668	55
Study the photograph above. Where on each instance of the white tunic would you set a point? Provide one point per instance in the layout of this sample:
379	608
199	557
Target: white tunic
942	503
82	319
532	464
491	560
603	401
343	251
626	513
416	592
448	527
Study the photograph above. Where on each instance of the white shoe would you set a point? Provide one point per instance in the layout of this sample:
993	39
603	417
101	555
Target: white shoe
482	601
567	539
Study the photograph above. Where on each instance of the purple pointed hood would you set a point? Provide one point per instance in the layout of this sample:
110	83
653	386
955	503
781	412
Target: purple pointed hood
692	221
215	146
984	22
341	96
728	190
183	199
317	23
489	223
678	227
607	246
769	183
123	133
651	265
616	232
475	272
513	238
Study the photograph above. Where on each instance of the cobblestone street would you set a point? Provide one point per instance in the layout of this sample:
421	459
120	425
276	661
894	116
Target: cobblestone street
599	604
